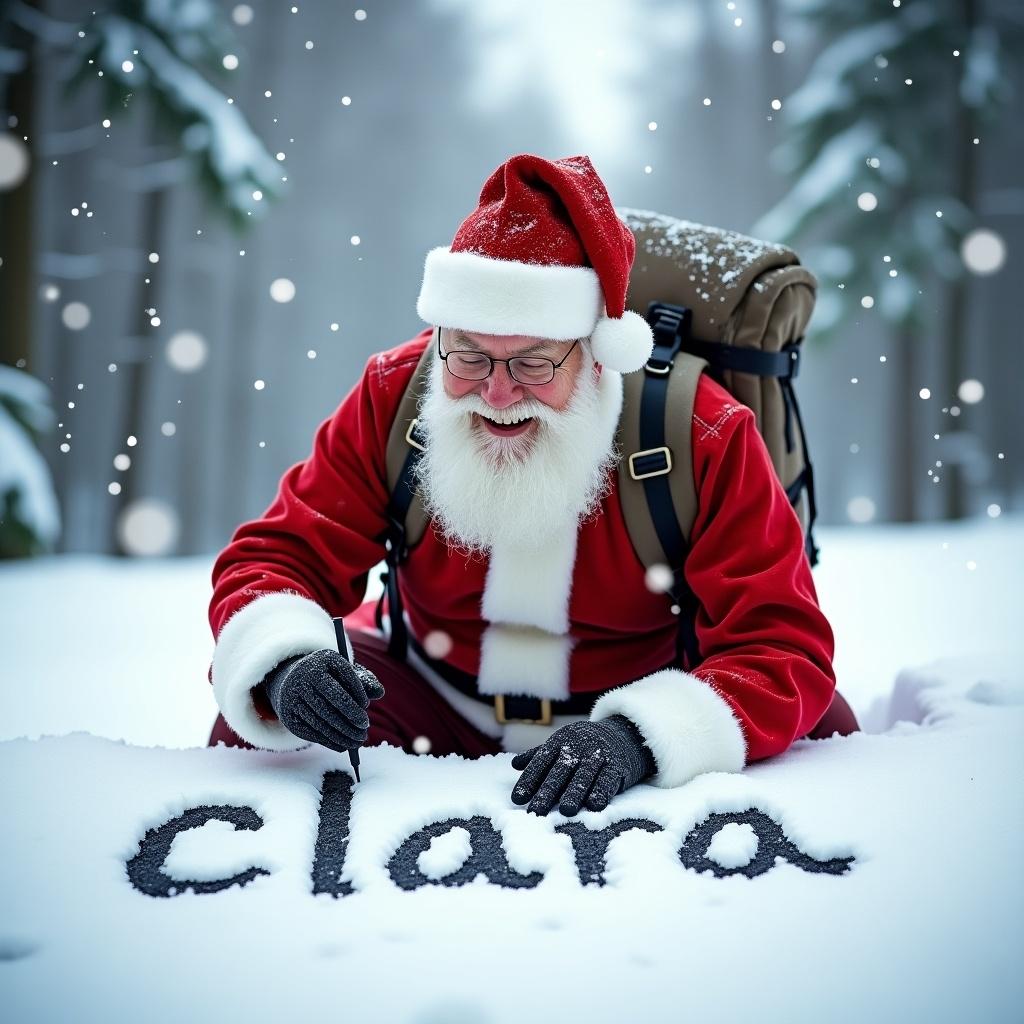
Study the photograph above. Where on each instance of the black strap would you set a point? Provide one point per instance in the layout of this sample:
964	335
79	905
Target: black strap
789	402
397	551
671	327
784	364
516	706
794	489
806	479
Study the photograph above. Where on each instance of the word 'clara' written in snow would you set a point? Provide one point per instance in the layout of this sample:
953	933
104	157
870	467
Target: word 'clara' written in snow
486	856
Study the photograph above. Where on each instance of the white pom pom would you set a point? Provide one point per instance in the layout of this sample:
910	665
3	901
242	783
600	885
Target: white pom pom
625	344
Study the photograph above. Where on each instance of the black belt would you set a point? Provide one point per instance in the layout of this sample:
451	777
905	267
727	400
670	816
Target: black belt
508	707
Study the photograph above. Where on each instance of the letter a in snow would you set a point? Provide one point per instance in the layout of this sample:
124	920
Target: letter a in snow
487	857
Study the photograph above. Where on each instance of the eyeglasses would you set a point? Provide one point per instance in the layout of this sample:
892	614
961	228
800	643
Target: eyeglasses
470	365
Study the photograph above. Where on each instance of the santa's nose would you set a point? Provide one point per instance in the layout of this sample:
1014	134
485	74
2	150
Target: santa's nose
500	390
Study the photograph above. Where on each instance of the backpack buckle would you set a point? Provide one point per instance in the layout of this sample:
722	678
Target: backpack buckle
394	543
409	438
794	362
659	462
669	325
660	370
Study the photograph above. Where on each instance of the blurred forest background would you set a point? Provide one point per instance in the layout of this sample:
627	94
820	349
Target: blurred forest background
211	214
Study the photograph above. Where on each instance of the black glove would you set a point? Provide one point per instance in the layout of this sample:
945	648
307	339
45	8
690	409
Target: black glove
583	764
323	697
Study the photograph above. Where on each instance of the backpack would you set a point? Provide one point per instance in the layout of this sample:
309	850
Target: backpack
717	302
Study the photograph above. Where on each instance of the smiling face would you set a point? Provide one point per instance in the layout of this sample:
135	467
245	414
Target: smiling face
510	400
482	482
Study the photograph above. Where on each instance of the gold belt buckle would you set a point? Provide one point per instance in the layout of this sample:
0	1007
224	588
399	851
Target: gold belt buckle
545	712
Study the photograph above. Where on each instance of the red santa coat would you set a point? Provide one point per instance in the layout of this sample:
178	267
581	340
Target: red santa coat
591	623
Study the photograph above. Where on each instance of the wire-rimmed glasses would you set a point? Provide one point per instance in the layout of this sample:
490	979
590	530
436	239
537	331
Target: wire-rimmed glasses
468	364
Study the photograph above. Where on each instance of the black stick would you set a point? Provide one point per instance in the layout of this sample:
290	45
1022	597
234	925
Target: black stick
339	633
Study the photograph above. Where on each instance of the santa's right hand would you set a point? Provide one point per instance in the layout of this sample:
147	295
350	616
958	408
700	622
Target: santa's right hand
322	697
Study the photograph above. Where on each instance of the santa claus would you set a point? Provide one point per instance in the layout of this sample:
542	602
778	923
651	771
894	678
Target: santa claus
532	626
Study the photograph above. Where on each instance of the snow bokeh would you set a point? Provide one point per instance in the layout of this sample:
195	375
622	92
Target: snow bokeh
148	527
282	290
983	251
14	161
76	316
186	351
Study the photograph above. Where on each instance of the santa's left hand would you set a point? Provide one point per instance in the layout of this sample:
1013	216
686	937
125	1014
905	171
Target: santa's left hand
583	764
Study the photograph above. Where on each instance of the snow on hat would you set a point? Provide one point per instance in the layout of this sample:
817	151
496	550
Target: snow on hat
543	254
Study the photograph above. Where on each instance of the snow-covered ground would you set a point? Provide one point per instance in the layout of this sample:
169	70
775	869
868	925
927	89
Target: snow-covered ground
121	648
920	914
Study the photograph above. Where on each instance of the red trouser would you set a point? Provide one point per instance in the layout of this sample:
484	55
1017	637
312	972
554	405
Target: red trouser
411	708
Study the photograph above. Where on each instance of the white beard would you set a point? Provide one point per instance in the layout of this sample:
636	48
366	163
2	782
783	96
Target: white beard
481	489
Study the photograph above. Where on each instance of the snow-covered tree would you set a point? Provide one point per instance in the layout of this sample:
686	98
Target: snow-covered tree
882	147
159	49
154	49
29	516
161	60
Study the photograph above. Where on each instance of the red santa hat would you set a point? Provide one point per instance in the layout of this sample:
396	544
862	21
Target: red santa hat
544	254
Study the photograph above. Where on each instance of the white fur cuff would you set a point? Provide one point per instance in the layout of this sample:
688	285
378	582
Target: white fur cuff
688	726
254	640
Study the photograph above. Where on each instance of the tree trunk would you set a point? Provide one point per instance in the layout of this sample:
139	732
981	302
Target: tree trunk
902	461
138	373
957	501
16	274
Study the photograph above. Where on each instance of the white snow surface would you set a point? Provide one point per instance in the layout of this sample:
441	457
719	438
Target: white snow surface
106	661
209	852
446	853
734	845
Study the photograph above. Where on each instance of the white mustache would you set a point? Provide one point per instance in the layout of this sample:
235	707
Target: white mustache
527	408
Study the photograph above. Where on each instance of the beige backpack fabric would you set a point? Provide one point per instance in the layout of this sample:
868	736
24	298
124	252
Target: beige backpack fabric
744	293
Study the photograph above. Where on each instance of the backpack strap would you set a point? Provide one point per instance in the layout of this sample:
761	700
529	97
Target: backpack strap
656	487
784	366
804	480
407	519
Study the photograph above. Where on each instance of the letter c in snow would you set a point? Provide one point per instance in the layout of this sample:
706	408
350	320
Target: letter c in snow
144	869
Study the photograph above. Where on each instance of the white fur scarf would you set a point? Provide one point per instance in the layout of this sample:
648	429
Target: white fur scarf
526	646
